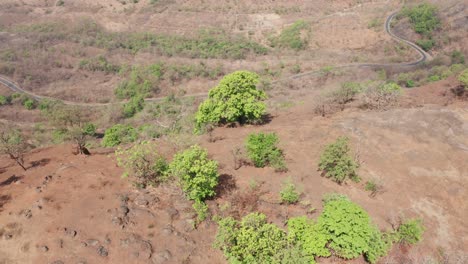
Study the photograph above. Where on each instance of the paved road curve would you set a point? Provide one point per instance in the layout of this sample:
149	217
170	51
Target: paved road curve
424	56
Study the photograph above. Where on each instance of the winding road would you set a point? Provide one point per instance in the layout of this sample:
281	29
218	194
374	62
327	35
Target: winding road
424	56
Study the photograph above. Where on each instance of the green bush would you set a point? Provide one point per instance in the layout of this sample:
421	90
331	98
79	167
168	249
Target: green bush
292	254
29	104
346	93
3	100
119	134
426	44
289	193
433	78
291	36
410	232
348	226
379	245
89	129
457	57
235	99
249	241
197	173
201	209
410	84
336	162
135	105
143	162
463	79
99	63
423	18
263	150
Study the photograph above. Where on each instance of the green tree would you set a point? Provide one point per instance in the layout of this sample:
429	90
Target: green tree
119	134
13	144
235	99
197	173
143	162
336	162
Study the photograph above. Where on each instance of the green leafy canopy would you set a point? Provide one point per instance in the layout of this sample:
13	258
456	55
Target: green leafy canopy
235	99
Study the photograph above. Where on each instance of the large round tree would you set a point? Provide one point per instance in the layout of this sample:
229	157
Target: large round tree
235	99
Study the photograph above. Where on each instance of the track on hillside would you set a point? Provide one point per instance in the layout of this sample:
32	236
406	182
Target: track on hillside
424	56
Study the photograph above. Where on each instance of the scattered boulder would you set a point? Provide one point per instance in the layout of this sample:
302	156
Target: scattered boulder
102	251
43	248
162	257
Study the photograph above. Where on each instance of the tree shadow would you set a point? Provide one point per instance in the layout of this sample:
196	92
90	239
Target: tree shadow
226	185
10	180
4	199
39	163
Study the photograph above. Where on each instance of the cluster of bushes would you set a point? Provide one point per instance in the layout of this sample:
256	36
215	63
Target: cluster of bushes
343	228
235	99
421	77
292	37
263	150
147	79
197	174
16	98
424	19
99	63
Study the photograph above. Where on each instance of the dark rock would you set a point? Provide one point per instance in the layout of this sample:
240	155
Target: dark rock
43	248
124	210
102	251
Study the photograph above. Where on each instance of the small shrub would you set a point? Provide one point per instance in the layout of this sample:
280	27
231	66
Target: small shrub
198	174
410	232
426	44
379	245
463	79
119	134
29	104
346	93
410	84
289	193
143	162
374	187
262	149
291	37
433	78
457	57
3	100
201	209
235	99
135	105
336	163
89	129
251	240
382	96
292	254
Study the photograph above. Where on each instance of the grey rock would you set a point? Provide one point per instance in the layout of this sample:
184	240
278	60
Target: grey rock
161	257
167	230
43	248
92	242
70	232
102	251
173	213
124	209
